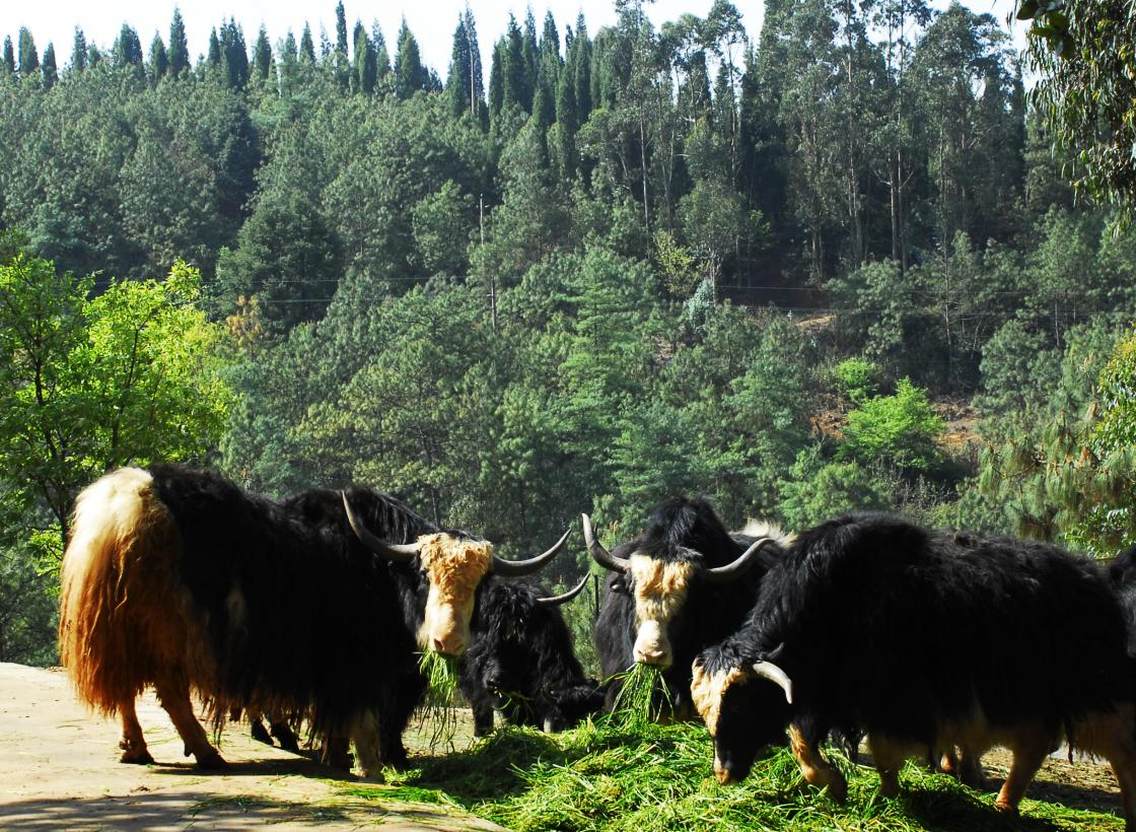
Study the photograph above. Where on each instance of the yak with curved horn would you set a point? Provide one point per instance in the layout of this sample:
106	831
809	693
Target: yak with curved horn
180	579
684	584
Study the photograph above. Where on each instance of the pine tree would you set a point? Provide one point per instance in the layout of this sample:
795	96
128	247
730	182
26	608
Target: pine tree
366	66
9	57
341	30
179	48
382	54
497	78
29	58
582	70
458	80
478	92
550	59
531	58
128	48
409	74
79	51
50	71
262	56
516	84
213	56
159	59
307	46
94	56
234	55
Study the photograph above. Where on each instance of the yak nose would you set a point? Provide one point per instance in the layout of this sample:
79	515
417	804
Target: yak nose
723	773
654	656
452	646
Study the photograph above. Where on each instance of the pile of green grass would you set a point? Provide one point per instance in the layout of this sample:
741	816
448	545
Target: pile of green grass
658	778
642	698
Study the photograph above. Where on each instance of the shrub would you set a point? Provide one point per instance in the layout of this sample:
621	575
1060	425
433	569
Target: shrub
899	430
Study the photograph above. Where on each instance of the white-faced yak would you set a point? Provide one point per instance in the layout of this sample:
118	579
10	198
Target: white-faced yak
520	663
683	585
925	642
181	580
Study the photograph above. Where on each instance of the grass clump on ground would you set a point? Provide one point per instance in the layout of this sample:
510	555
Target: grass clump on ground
657	778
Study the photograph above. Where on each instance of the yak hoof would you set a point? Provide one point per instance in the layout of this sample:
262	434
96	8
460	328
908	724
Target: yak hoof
1005	808
140	758
260	733
211	761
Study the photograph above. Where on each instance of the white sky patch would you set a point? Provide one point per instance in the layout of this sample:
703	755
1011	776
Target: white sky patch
432	22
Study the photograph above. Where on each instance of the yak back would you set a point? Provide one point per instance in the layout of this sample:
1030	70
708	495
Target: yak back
297	615
891	628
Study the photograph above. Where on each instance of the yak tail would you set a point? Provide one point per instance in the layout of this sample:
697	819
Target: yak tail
115	610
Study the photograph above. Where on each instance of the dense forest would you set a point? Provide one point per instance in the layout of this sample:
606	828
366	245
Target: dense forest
836	267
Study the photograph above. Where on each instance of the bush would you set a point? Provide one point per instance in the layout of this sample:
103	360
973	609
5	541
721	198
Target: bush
899	430
857	379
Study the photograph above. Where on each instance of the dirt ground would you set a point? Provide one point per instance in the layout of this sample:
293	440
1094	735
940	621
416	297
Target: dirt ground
59	770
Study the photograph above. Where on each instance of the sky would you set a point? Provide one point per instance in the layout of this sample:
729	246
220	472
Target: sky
432	21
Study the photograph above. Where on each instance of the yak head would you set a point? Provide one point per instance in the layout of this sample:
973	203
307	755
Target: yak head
665	568
452	565
745	704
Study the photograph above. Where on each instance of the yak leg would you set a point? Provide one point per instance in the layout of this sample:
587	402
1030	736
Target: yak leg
284	734
333	752
393	718
174	697
1029	750
365	734
816	769
1112	735
133	744
888	756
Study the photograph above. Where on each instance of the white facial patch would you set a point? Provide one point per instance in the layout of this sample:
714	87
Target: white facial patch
454	568
708	689
660	591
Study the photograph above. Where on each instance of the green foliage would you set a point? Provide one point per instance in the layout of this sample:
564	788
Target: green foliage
857	379
900	430
818	489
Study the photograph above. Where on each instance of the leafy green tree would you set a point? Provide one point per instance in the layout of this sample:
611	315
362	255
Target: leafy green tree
443	223
159	60
127	50
1081	53
307	45
366	62
9	59
127	377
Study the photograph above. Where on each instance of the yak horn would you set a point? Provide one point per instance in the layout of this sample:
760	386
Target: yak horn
601	555
565	597
740	565
391	551
770	671
518	568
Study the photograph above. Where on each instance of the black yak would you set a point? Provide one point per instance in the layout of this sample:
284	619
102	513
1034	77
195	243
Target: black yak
520	662
925	643
179	579
683	585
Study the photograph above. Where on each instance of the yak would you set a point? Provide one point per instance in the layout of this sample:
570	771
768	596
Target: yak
874	623
520	662
683	585
180	579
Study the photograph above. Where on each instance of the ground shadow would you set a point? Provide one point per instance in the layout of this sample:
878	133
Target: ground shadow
956	811
165	809
299	766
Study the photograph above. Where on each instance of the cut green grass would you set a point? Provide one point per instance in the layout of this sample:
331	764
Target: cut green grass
437	712
642	697
607	777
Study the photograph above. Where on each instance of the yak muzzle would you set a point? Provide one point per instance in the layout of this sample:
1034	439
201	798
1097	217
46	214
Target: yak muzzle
723	773
652	646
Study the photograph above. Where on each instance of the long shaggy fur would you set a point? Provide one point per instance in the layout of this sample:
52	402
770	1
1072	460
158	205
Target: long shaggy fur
925	640
521	662
124	620
685	531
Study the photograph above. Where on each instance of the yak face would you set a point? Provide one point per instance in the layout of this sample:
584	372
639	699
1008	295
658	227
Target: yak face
744	710
453	567
659	589
565	707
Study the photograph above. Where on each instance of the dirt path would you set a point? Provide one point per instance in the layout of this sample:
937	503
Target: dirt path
59	771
